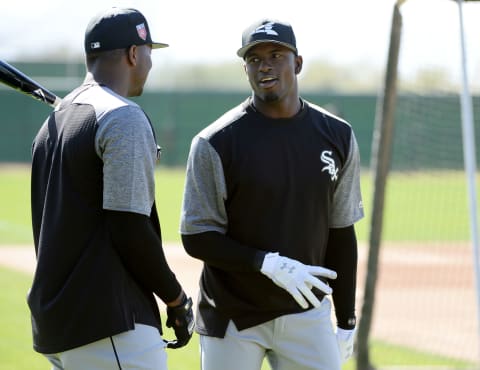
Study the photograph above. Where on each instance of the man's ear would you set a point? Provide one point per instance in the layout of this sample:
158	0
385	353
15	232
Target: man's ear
298	64
132	55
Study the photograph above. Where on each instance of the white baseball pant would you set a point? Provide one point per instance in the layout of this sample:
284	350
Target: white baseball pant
142	348
303	341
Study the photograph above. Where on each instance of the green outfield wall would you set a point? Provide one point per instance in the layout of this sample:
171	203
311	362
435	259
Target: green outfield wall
177	116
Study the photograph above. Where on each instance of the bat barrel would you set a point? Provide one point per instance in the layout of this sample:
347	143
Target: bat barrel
17	80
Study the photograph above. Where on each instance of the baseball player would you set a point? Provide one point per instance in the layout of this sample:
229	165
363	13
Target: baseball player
96	231
271	196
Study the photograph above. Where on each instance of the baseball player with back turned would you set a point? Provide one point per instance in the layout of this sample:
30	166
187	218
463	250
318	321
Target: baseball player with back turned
96	231
271	196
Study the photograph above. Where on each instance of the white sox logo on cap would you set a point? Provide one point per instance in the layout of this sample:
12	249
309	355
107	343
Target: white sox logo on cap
267	31
266	28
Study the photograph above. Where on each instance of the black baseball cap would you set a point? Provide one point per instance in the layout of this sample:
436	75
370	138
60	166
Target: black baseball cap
118	28
268	30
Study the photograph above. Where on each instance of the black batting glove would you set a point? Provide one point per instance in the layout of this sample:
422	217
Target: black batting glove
180	318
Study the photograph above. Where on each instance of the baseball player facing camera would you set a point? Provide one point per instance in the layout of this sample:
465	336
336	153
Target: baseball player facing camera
100	260
271	196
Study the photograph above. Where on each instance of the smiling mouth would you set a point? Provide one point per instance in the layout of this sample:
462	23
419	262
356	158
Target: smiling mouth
267	82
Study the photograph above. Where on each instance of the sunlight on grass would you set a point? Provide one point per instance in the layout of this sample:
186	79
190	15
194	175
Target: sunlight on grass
16	343
419	206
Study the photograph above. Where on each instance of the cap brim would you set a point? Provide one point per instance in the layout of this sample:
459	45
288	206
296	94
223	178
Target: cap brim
159	45
242	51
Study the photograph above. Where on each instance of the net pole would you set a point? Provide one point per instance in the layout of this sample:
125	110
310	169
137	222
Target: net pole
468	135
382	144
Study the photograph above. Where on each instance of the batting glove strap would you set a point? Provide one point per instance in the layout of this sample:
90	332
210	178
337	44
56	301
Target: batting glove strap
181	319
345	340
297	278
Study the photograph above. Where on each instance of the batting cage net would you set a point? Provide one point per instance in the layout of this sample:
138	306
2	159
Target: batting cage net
425	309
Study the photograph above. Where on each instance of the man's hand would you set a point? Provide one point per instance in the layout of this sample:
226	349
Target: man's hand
297	278
345	343
180	318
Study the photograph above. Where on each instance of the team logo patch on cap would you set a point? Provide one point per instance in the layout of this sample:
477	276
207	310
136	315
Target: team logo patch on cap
266	28
142	31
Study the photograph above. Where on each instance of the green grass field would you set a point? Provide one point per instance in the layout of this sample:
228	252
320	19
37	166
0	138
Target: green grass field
16	344
428	207
421	207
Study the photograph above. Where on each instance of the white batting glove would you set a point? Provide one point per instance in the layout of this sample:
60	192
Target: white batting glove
297	278
345	340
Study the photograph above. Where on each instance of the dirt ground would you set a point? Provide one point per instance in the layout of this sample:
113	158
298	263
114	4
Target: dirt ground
425	296
425	299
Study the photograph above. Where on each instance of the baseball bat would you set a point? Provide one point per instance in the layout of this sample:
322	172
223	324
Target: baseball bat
17	80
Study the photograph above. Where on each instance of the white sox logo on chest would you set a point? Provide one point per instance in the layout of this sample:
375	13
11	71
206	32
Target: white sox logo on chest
326	157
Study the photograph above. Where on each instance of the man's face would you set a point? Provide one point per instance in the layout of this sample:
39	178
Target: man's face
271	70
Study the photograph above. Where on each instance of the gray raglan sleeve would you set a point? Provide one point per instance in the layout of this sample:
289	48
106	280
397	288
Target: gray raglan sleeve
205	191
127	147
347	198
